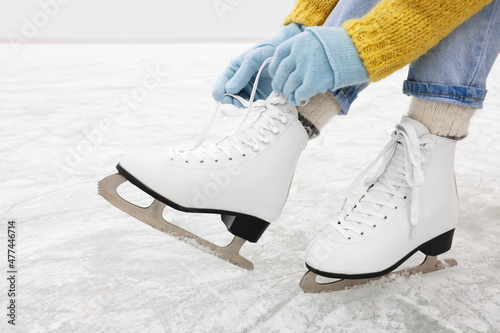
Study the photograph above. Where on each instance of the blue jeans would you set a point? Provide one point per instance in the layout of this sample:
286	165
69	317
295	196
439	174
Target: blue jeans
454	71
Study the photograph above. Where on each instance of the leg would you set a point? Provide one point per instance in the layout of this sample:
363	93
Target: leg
448	83
411	203
472	47
455	70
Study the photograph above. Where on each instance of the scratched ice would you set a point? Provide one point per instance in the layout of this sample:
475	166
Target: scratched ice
69	112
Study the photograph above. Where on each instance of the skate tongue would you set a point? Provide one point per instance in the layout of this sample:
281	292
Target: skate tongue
279	102
392	172
419	127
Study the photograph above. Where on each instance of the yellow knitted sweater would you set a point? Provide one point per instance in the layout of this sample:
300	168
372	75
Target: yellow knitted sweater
395	32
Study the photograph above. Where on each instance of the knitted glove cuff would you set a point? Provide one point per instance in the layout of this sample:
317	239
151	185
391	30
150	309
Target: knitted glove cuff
342	55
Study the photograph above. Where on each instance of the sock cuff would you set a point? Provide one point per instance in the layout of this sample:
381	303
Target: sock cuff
311	130
440	118
319	110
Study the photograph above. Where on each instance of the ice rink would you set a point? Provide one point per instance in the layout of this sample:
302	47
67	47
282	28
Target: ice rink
70	111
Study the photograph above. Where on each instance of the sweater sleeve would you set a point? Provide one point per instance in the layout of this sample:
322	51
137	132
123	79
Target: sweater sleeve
396	32
311	12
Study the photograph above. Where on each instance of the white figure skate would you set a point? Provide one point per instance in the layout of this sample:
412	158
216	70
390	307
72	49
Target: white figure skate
245	178
410	205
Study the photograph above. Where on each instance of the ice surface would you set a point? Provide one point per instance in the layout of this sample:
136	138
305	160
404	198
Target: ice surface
85	266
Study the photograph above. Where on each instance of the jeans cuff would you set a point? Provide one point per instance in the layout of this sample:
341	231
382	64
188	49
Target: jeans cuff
461	95
345	96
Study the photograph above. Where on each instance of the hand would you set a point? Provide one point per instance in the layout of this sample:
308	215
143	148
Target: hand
238	77
314	61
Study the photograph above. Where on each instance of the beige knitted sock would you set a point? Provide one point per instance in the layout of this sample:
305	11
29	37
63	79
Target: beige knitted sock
443	119
315	114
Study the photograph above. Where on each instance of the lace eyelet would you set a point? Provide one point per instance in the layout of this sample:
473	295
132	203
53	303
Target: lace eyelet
349	238
202	161
230	158
374	226
385	217
405	197
362	233
216	161
186	162
339	222
243	155
395	207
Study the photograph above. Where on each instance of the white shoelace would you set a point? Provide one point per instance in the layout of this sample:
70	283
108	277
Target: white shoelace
401	166
240	138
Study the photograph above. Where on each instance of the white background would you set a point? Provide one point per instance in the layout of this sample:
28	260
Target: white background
140	20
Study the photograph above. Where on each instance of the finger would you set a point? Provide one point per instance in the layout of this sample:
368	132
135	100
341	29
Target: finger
284	70
242	77
219	89
292	83
230	100
237	103
264	88
282	52
246	92
249	67
227	100
292	99
303	93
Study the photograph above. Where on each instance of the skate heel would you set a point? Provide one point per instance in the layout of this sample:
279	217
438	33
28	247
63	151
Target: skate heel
439	244
245	226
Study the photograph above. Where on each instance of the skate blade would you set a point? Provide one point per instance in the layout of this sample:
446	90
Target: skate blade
430	264
152	216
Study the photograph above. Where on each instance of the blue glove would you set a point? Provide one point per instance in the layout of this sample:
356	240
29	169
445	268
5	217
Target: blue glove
238	77
319	59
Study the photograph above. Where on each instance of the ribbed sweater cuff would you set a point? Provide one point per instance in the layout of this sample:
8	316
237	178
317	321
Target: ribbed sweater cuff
311	12
395	33
342	54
